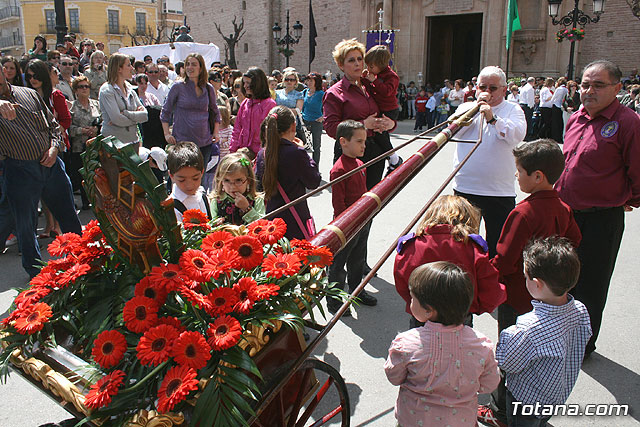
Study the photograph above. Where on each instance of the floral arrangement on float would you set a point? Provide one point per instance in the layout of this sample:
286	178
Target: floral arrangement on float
174	337
573	34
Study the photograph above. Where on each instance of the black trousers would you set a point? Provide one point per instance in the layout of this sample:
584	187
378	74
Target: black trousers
353	256
545	128
495	211
528	115
557	124
601	236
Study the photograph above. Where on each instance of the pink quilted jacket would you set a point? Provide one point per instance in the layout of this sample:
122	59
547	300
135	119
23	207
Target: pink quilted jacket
246	131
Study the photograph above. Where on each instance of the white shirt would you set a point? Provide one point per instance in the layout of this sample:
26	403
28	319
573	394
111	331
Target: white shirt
456	97
431	104
189	201
558	96
490	171
545	97
161	92
528	95
514	97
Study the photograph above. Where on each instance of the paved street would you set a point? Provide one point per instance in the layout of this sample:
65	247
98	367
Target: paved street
358	346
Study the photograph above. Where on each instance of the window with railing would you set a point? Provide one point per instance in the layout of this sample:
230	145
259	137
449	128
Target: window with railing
9	11
141	22
50	18
74	20
114	21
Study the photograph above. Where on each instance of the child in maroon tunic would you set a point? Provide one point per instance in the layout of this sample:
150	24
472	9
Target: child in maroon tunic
448	233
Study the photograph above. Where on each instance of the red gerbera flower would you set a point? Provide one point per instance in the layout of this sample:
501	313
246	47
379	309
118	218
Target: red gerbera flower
216	241
145	288
109	348
224	333
73	273
31	319
250	251
155	345
257	227
46	278
273	231
60	264
195	298
176	385
167	276
31	296
266	291
172	321
281	265
191	349
195	218
223	261
319	257
194	263
64	244
302	244
91	232
221	301
245	289
139	314
101	392
91	253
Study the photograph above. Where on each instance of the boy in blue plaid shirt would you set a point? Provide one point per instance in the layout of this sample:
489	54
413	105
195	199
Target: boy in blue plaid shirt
542	353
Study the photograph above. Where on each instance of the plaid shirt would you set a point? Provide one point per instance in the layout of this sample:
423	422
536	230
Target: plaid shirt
542	353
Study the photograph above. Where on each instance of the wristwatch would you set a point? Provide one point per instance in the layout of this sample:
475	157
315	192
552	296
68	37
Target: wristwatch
493	120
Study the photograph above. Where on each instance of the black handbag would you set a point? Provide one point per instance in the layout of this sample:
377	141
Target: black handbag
212	117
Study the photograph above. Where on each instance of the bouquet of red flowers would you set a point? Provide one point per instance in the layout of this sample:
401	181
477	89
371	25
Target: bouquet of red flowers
572	34
157	340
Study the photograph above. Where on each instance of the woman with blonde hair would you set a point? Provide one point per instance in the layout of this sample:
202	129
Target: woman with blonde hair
192	106
96	72
121	108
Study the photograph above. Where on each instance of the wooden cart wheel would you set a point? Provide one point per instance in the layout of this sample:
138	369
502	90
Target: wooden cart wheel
325	404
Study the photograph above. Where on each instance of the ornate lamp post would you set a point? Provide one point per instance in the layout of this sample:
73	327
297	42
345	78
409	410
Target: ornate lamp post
287	40
61	21
573	19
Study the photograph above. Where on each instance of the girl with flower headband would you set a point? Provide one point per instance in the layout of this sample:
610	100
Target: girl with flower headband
286	171
234	197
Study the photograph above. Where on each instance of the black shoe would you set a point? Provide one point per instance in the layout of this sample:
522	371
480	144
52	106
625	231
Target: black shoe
391	168
365	298
85	207
334	305
366	270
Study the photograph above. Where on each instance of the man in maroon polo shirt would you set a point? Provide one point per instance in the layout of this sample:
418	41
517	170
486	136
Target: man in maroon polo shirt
600	182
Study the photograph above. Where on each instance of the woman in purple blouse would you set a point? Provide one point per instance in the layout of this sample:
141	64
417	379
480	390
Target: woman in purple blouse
188	104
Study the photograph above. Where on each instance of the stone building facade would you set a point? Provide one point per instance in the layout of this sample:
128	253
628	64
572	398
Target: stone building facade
437	39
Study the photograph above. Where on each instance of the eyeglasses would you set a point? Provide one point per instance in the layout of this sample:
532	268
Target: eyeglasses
289	80
30	76
163	60
237	87
217	80
84	87
234	182
595	85
153	72
484	88
67	64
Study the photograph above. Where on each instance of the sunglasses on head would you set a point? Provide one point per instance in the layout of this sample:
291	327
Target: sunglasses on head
84	87
289	80
153	72
163	60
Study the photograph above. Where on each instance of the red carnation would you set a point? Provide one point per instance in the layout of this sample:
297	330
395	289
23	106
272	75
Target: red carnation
30	320
176	385
195	218
221	301
216	241
195	264
250	251
109	348
245	290
192	350
101	392
167	276
139	314
155	345
281	265
224	333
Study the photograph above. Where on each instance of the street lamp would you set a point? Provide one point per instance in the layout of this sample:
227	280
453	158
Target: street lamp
573	19
287	40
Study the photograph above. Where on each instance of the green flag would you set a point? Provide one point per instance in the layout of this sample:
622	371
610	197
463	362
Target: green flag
513	20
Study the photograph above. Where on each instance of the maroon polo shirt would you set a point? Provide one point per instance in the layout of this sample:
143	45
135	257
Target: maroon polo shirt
602	156
343	101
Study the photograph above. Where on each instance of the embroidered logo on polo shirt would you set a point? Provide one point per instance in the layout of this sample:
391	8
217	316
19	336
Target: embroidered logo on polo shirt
609	129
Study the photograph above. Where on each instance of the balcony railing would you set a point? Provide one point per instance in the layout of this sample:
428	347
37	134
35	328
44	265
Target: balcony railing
45	29
9	41
9	12
116	29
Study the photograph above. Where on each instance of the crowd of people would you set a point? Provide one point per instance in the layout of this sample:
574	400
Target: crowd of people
240	144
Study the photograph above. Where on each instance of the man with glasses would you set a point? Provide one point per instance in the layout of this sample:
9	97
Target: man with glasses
156	87
32	170
601	181
66	78
488	179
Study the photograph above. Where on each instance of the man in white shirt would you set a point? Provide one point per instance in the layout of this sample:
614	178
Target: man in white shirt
156	87
66	73
488	178
527	102
557	119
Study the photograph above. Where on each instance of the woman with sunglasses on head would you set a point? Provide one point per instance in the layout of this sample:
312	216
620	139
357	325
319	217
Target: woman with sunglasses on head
290	97
253	110
43	77
85	124
11	70
312	111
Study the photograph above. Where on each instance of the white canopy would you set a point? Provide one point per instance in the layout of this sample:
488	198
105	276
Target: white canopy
210	52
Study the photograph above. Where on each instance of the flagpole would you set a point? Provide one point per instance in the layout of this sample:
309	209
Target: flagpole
508	55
